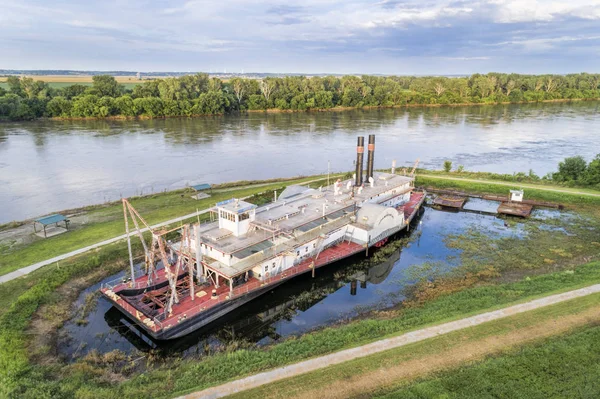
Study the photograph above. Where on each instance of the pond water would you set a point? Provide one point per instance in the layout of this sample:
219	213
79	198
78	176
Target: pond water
46	166
338	292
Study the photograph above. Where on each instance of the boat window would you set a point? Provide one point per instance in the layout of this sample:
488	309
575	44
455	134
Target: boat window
273	265
266	268
306	249
297	253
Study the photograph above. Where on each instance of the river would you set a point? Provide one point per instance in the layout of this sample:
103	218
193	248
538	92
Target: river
46	166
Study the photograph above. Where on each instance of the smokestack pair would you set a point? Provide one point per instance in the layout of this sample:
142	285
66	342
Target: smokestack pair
360	149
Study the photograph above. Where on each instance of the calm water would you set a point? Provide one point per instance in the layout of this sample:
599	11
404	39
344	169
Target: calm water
48	166
338	292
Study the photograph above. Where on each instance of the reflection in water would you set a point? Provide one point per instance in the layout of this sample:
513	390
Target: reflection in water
257	321
50	165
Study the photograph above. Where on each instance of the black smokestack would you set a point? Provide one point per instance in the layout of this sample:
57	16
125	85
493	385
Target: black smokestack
370	156
360	149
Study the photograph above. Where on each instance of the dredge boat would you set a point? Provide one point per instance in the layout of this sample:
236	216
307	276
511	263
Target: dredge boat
248	250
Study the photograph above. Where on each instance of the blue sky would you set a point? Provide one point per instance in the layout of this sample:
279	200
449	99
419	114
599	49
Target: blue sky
327	36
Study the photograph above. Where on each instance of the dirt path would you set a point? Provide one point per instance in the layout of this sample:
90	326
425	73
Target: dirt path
511	184
382	345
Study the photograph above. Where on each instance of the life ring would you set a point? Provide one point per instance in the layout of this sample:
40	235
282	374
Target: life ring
267	274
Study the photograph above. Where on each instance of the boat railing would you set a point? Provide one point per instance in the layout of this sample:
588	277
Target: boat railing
386	234
289	245
126	281
164	322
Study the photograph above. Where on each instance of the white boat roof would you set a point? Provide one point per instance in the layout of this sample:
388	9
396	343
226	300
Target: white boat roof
298	210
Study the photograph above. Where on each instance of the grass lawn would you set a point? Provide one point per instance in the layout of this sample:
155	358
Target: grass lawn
385	371
566	366
537	192
541	185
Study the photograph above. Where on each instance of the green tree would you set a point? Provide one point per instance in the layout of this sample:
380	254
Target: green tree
72	91
14	85
34	88
147	89
571	169
9	104
59	107
124	106
105	107
256	102
447	166
592	174
149	106
106	85
84	106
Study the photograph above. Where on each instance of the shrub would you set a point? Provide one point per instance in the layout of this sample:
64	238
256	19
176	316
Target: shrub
447	166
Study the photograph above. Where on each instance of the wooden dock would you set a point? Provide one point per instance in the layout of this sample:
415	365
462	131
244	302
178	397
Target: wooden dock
449	201
515	209
500	198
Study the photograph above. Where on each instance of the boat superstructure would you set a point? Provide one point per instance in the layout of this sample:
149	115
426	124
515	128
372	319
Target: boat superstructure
247	250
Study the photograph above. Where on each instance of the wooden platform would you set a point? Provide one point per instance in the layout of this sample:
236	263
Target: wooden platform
449	201
515	209
490	197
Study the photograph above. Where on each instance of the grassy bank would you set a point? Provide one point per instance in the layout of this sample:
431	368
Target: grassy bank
363	377
518	179
564	366
562	195
94	224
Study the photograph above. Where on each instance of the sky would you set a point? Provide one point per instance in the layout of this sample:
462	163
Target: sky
326	36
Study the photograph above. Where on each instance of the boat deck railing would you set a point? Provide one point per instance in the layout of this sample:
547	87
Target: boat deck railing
168	322
289	245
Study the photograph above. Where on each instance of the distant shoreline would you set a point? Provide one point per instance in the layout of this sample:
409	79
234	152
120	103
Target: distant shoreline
289	111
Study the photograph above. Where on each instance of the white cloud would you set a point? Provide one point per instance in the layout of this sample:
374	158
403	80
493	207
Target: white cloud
273	32
512	11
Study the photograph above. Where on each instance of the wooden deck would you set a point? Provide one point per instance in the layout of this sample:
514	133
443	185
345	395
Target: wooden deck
449	201
515	209
491	197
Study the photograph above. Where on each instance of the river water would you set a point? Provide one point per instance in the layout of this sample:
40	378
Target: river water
46	166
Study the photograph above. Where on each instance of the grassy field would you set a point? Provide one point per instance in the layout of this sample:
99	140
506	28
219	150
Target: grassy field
106	221
58	82
533	371
568	196
507	180
565	366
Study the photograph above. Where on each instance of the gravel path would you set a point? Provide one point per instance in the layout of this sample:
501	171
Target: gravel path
26	270
383	345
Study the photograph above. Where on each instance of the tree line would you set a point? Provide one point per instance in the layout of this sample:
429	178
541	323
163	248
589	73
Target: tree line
200	94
